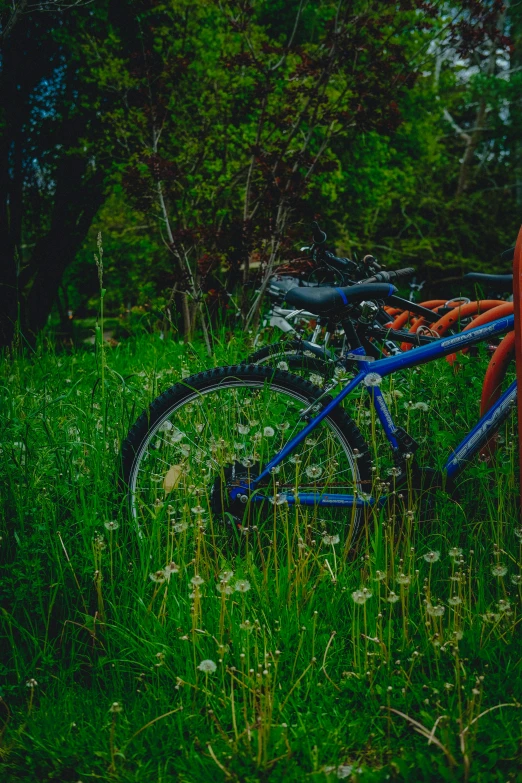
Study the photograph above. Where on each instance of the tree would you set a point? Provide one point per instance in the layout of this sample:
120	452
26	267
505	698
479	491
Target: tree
51	185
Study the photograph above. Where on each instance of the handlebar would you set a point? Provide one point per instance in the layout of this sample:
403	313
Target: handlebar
388	277
318	234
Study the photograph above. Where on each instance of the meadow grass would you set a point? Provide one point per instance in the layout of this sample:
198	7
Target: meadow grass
400	661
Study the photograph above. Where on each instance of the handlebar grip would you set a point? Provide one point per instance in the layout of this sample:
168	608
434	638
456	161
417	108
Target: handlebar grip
387	277
318	234
408	271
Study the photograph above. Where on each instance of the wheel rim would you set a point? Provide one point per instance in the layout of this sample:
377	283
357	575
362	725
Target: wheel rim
194	442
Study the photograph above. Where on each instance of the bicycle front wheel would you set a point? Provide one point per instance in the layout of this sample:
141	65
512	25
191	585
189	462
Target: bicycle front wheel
183	455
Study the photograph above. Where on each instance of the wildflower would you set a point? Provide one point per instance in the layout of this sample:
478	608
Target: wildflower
185	449
432	557
175	435
31	683
207	666
198	509
394	471
516	579
284	425
269	432
499	569
225	588
330	540
455	600
449	686
421	406
226	576
518	532
115	707
435	611
504	606
380	575
313	471
455	551
99	543
158	576
372	379
282	366
242	586
247	462
172	568
197	580
165	426
361	596
403	579
344	770
112	525
243	429
393	597
179	527
316	379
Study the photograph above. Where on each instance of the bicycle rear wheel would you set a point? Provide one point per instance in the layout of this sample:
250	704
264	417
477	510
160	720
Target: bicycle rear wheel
217	427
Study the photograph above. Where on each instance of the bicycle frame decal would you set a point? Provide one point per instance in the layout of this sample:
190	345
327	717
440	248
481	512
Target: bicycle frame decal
490	422
384	367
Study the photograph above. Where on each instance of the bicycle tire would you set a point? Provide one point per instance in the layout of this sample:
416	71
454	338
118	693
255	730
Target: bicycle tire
198	389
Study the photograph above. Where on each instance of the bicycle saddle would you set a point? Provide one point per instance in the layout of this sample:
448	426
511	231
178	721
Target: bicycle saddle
326	300
493	282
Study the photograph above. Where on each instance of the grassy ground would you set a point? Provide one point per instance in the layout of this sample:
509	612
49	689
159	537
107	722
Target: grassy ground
101	667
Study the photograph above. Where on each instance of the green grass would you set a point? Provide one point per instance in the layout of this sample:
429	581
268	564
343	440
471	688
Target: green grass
309	685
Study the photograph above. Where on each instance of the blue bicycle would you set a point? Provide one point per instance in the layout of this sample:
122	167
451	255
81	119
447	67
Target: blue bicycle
249	443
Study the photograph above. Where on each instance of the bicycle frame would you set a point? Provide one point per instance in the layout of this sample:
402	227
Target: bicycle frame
437	349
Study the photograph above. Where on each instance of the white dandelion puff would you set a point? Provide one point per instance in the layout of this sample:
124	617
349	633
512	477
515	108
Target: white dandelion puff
330	540
361	596
207	666
435	611
314	471
499	569
242	586
455	600
372	379
432	557
268	432
392	597
111	525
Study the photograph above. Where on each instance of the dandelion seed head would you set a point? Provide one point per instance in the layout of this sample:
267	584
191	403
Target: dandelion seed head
242	586
330	540
158	576
455	600
432	557
403	579
380	575
313	471
435	611
455	551
197	580
207	666
111	525
31	683
115	707
243	429
499	569
372	379
361	596
392	597
268	432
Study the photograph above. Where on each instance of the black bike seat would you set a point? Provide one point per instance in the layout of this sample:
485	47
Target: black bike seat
501	283
322	301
